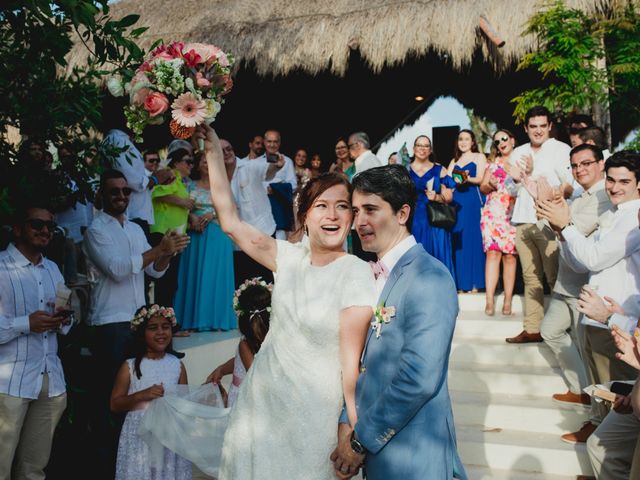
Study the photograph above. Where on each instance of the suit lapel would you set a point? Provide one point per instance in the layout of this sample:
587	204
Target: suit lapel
395	274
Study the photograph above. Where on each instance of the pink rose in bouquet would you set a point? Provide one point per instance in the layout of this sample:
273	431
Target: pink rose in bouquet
181	84
156	104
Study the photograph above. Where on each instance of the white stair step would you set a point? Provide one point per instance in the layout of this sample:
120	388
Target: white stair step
489	350
519	451
475	472
517	412
505	379
477	301
478	325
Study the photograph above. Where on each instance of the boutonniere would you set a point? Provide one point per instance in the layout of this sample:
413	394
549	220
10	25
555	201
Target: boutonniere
382	315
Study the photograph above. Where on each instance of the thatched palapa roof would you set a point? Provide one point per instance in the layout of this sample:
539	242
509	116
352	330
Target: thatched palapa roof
280	36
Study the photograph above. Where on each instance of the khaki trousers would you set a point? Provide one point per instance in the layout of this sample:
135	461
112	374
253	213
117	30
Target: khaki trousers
538	252
600	353
26	433
611	447
563	333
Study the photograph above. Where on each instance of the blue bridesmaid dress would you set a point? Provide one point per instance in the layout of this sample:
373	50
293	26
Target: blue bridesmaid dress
436	241
468	254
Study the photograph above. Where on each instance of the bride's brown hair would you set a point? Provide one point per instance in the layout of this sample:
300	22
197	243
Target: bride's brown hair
316	187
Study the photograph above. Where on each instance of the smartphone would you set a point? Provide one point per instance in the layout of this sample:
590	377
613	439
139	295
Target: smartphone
621	388
272	157
63	313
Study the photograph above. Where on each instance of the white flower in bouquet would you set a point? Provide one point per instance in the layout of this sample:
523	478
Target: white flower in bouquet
115	86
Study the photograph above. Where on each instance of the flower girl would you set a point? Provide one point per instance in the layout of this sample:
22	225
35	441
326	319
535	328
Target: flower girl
141	380
252	303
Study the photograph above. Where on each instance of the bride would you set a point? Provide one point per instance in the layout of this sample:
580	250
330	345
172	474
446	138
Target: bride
284	423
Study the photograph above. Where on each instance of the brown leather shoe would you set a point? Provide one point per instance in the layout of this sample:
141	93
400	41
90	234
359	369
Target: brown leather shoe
582	435
570	397
525	337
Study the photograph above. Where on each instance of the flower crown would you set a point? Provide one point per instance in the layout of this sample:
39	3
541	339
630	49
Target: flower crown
152	311
256	281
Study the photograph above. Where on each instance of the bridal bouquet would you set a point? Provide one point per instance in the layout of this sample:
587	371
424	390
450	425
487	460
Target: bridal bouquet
183	82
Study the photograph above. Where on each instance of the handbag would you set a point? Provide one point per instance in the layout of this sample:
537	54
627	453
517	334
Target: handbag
441	215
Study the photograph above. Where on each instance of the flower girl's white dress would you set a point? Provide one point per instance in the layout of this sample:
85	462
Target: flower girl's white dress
285	420
133	453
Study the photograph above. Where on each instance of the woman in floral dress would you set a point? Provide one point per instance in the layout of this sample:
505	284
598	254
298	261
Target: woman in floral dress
498	234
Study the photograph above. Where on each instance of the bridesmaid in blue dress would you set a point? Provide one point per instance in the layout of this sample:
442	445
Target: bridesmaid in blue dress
204	300
433	185
468	254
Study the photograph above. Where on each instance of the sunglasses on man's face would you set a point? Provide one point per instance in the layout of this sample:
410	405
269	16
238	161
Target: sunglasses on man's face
38	224
500	140
153	160
115	192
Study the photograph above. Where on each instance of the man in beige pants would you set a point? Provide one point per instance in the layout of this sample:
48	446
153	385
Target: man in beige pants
32	387
542	157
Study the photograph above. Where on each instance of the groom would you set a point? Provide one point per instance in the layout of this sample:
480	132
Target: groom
405	425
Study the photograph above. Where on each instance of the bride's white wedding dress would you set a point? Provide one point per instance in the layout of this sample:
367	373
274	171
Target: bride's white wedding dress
284	423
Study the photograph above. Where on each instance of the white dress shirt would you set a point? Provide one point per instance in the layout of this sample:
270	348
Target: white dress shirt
131	164
115	251
25	356
250	195
551	161
286	174
612	255
76	217
391	258
365	161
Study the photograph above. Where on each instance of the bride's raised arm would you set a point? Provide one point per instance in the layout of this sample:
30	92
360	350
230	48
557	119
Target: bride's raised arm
260	247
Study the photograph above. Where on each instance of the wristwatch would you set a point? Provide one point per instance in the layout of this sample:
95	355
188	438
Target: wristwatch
356	446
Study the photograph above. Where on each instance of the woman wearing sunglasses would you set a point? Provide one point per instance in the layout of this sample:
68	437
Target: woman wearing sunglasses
498	234
171	206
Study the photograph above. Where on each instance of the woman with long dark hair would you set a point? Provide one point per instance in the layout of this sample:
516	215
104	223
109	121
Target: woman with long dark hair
467	169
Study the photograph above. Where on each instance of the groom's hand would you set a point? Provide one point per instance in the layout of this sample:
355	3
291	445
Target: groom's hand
346	462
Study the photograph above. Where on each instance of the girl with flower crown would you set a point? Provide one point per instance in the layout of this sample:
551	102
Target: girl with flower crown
140	380
252	303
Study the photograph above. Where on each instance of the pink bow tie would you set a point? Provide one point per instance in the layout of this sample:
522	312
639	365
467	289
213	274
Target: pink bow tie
378	269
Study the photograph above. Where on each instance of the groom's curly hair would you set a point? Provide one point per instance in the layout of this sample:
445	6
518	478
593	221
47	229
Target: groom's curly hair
392	183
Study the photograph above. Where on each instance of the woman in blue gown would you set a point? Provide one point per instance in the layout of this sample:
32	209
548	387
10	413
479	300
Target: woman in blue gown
433	184
204	300
467	169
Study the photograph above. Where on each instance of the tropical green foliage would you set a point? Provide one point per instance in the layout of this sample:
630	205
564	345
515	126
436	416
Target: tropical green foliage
38	95
570	45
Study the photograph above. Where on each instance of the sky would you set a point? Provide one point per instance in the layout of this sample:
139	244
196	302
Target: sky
445	111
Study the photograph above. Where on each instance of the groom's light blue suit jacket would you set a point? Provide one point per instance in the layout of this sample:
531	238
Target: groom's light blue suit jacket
402	398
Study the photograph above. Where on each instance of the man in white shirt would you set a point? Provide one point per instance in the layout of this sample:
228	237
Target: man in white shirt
281	203
247	179
537	247
560	327
256	148
612	256
359	150
32	385
131	164
120	255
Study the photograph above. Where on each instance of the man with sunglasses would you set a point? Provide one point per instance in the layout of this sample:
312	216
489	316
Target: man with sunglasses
120	255
32	386
151	161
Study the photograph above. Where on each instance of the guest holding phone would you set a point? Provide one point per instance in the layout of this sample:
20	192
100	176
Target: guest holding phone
32	386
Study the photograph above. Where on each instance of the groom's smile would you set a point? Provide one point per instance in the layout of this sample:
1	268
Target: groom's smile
377	225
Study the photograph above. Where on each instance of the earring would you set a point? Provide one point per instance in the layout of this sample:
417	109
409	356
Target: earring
306	230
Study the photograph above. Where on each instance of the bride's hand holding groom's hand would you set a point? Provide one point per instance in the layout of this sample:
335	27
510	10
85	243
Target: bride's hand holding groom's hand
346	462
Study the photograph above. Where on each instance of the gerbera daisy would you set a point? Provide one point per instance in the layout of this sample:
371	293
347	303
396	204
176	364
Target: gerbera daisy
188	111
